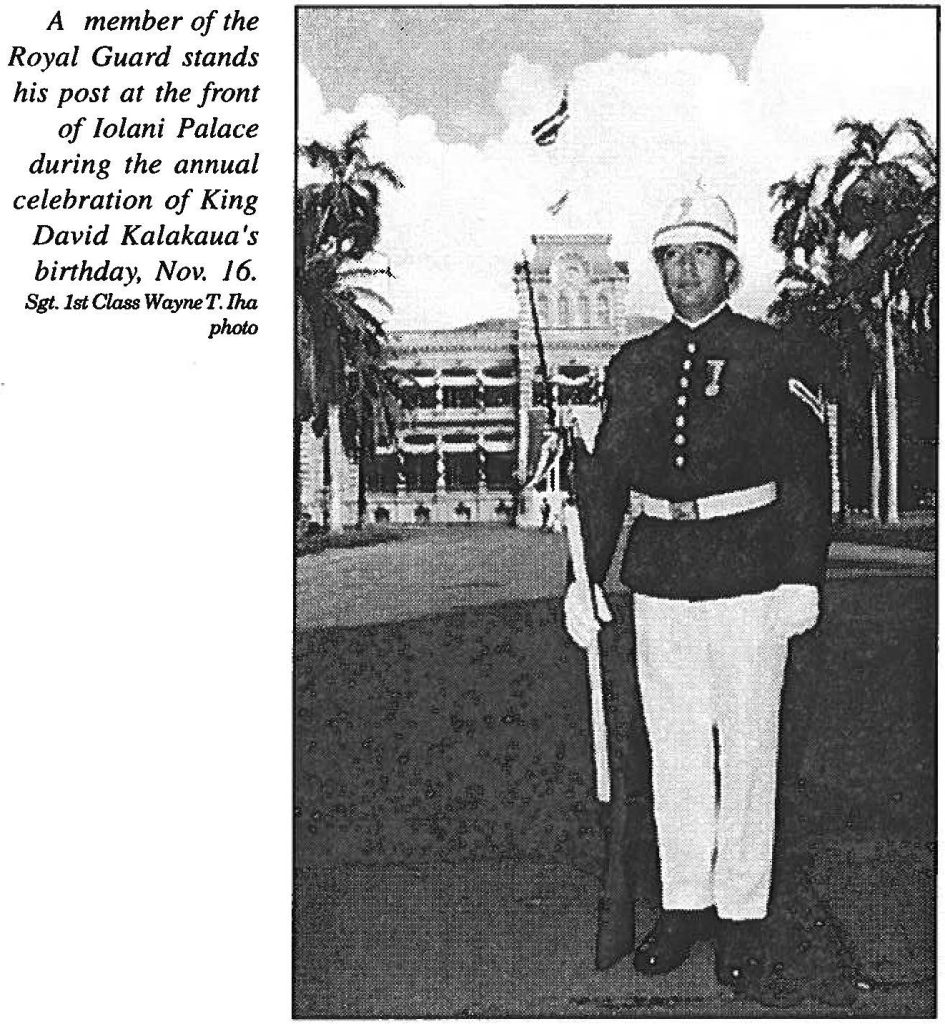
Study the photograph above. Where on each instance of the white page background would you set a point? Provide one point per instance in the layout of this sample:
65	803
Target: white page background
146	617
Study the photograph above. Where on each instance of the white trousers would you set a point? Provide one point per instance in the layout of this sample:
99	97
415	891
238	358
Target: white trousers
703	664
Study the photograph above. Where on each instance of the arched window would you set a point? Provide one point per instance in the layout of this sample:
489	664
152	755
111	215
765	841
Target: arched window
499	384
462	471
498	471
381	474
543	311
538	391
584	310
460	461
564	311
460	388
420	472
603	310
575	385
499	450
419	389
419	461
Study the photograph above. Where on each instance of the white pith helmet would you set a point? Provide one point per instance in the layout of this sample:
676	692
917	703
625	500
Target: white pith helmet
698	217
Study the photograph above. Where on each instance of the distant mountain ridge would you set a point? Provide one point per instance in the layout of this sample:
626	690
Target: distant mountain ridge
637	326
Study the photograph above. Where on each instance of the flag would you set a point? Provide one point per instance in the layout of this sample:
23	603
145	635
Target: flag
545	459
546	132
555	207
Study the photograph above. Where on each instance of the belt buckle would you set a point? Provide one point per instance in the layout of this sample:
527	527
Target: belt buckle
682	511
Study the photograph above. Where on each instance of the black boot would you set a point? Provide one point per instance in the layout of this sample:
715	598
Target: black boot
739	952
671	940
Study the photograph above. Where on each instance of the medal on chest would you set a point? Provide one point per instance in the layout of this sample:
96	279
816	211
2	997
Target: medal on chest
714	368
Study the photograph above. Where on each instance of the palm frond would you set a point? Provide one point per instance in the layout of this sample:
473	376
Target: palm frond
319	155
350	272
365	190
867	140
795	273
843	174
911	126
360	293
351	147
379	169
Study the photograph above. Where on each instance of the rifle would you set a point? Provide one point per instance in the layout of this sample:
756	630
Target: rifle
564	441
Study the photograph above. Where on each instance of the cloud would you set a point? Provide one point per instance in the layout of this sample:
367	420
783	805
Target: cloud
311	105
813	67
446	61
641	130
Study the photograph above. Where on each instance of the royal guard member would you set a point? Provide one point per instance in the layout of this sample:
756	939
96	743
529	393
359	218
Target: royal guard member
716	421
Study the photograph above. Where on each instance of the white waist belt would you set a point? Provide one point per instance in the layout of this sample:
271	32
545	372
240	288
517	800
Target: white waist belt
713	505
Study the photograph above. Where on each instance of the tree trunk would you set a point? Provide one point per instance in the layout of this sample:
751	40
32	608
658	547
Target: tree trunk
840	460
296	468
362	484
877	466
336	468
364	425
892	410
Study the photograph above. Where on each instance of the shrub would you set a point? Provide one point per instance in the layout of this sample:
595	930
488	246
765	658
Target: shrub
918	533
311	538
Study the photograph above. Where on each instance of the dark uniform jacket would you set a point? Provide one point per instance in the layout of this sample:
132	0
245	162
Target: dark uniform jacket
691	412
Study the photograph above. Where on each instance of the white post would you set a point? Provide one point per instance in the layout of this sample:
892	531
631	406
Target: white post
877	466
833	433
892	410
336	468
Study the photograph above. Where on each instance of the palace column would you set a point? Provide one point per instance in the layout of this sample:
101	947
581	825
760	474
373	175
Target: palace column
440	467
524	405
480	464
310	469
833	433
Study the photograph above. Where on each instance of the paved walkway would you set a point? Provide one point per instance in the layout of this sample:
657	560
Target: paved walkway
435	569
515	939
881	555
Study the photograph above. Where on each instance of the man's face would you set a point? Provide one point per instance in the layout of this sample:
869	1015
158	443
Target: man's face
695	276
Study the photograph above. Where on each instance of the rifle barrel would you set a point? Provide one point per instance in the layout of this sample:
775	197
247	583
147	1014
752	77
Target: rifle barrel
542	362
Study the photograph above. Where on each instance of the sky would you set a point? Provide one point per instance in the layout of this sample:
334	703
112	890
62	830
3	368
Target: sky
659	98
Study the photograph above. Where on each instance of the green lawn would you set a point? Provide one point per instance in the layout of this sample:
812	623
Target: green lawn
452	751
465	734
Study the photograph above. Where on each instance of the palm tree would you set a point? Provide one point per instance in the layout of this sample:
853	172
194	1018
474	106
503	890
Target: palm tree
807	302
371	412
804	230
809	306
342	214
884	191
337	224
339	339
